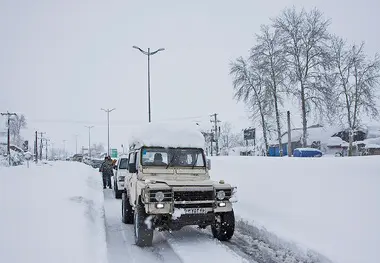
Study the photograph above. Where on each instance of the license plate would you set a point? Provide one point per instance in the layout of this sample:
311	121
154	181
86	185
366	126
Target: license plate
195	210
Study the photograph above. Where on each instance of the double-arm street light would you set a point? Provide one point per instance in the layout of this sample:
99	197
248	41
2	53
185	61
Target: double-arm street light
108	121
148	53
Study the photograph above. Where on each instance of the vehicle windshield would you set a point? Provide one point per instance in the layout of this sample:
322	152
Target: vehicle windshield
123	163
183	157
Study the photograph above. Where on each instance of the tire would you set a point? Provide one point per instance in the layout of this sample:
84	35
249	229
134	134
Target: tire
126	210
224	227
117	192
143	233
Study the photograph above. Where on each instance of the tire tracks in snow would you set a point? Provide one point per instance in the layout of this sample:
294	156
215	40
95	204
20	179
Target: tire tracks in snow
120	239
249	244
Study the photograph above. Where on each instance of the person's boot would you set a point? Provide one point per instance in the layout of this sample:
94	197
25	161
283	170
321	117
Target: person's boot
104	187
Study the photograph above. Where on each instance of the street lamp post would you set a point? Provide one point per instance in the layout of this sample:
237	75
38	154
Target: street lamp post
76	143
148	53
64	149
108	121
89	140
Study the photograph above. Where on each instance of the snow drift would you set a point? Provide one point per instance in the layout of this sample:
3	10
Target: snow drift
330	205
51	213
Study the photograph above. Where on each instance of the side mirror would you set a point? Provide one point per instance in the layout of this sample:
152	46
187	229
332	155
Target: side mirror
132	168
208	165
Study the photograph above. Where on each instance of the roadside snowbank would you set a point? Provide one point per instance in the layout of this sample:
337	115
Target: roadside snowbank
51	213
330	205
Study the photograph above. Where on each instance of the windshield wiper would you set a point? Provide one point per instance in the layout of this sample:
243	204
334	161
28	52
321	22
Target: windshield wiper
171	161
195	162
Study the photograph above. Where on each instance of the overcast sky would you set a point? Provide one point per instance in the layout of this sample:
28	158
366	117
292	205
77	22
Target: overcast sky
61	61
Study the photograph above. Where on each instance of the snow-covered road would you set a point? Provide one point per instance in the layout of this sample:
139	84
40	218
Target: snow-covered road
58	212
187	245
120	239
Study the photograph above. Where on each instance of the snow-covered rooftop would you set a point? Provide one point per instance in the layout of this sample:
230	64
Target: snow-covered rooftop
167	135
372	146
314	134
335	141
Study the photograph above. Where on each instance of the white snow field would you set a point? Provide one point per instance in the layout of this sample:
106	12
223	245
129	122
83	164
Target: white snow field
293	210
51	213
328	204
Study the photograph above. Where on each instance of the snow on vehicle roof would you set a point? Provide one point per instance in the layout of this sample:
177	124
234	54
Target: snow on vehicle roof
307	150
167	135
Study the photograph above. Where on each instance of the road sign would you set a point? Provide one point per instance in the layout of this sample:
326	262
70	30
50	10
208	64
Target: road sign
113	153
249	134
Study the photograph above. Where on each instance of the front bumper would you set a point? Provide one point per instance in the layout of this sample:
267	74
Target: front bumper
189	200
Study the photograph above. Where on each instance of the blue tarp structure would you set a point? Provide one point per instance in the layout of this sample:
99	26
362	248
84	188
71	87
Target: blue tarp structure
307	152
275	150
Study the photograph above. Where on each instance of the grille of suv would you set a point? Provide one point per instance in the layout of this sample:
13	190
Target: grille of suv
193	196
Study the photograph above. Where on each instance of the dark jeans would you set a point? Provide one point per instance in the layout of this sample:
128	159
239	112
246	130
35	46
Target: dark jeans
106	180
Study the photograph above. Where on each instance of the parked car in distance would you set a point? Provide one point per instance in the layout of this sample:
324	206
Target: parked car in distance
119	176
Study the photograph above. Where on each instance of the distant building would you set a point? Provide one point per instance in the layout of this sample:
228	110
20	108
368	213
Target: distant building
331	140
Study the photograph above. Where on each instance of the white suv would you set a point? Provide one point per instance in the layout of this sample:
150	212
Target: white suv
169	187
120	176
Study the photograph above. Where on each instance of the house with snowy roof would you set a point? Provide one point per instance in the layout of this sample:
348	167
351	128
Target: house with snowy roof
331	140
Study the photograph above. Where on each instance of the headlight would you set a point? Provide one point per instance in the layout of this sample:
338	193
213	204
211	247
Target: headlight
159	196
220	195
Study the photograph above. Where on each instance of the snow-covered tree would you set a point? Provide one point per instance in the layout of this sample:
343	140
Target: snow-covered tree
17	123
305	41
250	87
356	81
271	57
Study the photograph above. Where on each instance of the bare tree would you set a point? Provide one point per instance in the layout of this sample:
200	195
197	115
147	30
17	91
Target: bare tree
305	37
97	149
271	56
356	80
225	137
17	123
249	86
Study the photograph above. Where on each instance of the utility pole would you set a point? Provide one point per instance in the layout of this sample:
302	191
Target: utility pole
89	140
76	143
216	137
148	53
46	145
289	136
108	121
9	114
36	147
41	145
64	149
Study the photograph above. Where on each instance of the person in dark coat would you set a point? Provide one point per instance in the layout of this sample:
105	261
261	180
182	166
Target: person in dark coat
107	172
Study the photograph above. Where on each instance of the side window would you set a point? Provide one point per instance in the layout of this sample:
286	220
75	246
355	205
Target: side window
137	158
131	157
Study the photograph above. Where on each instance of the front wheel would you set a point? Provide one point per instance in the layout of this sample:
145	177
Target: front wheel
126	210
224	226
118	193
143	227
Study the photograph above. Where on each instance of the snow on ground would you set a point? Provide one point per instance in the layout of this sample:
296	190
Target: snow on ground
121	243
188	245
330	205
51	213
